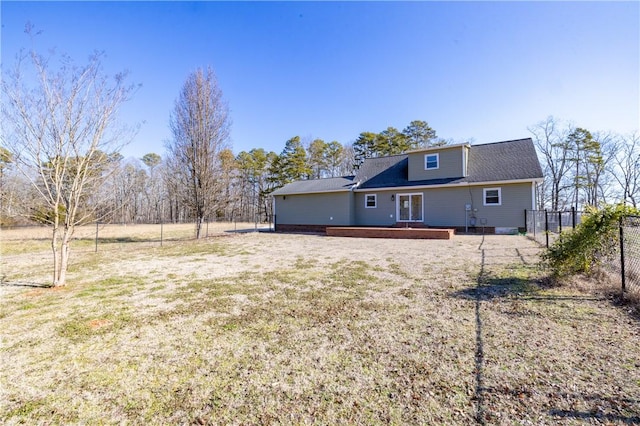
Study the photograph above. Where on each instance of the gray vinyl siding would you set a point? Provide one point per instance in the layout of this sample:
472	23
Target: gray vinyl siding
450	164
383	215
332	208
446	206
442	207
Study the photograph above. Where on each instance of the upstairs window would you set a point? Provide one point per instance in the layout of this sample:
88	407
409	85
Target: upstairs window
431	161
370	201
492	196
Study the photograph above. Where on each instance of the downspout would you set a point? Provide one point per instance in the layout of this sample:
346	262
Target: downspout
273	209
470	218
352	208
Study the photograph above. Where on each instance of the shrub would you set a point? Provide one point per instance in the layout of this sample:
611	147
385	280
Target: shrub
594	240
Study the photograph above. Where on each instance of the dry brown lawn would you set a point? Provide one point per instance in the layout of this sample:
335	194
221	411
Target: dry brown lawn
262	328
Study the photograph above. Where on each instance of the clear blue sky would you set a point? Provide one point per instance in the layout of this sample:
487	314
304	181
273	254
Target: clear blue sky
473	70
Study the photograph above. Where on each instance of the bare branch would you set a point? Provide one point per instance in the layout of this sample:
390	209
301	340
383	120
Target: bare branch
200	125
56	124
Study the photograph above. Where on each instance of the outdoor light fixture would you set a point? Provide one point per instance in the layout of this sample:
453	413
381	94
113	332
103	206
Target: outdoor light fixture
393	197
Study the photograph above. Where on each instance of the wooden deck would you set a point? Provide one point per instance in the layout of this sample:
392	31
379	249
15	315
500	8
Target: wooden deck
410	233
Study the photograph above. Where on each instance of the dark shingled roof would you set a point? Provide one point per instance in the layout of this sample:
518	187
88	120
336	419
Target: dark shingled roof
316	185
511	160
499	161
383	172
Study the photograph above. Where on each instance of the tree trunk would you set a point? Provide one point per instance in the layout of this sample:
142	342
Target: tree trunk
64	260
54	249
198	226
61	255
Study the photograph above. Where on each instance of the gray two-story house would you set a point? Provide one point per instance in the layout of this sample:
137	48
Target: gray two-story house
463	186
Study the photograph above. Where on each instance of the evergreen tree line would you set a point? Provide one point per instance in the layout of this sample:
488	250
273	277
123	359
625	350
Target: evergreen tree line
580	168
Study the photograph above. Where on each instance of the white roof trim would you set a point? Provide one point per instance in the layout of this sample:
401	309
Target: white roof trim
453	185
439	148
312	192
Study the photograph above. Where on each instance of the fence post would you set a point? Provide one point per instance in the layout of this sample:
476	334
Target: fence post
97	236
573	217
622	258
560	223
535	222
546	226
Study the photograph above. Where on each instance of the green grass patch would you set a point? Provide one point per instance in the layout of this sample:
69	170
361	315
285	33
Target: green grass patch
26	306
112	287
21	247
26	408
352	274
79	327
194	247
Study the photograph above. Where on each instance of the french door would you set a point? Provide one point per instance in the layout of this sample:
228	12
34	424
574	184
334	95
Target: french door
409	208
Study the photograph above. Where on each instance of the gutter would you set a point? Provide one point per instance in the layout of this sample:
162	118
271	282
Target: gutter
453	185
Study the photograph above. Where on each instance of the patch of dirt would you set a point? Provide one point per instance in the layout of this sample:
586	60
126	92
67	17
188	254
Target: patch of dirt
99	323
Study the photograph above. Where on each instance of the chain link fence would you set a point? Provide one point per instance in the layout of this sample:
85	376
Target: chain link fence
621	258
100	236
630	253
544	226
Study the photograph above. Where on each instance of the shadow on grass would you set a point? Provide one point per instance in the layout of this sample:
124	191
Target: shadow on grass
479	354
112	240
491	289
24	284
600	409
595	415
249	230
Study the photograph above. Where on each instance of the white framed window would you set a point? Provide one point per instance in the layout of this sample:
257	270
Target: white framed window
409	208
431	161
492	196
370	201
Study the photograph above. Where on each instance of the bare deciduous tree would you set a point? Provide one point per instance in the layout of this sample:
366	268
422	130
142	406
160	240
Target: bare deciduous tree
346	163
549	138
625	168
153	189
60	127
598	170
200	126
